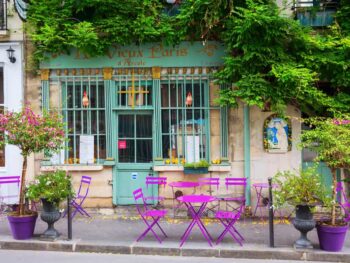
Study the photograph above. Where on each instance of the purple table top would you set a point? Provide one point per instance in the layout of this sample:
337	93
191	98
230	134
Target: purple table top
265	185
196	198
184	184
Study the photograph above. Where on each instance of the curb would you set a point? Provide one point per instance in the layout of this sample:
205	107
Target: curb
284	253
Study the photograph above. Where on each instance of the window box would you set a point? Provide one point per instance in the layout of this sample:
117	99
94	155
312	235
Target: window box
109	162
199	170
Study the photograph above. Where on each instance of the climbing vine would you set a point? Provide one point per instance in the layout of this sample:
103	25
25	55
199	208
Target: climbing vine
271	59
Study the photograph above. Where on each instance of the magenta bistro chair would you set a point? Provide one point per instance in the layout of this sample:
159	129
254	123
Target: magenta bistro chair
343	201
78	201
228	220
150	217
160	181
7	180
211	182
237	184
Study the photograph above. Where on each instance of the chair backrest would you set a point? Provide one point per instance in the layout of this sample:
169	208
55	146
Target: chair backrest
9	180
214	181
84	186
231	182
341	194
138	196
151	180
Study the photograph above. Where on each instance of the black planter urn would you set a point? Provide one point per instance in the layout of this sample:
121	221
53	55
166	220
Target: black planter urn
50	215
304	223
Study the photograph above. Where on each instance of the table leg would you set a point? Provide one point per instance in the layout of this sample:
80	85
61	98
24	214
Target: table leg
258	196
196	220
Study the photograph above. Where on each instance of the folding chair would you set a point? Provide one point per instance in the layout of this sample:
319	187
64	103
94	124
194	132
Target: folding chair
152	215
211	182
345	205
239	185
160	181
78	201
8	180
228	219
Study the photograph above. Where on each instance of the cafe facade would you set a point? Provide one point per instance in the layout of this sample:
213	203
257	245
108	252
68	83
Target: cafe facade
150	109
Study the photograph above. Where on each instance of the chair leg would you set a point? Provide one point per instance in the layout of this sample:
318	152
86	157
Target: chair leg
149	228
228	229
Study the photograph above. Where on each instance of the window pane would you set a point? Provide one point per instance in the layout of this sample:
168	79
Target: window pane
165	121
102	145
101	121
144	151
144	126
78	96
78	122
69	96
166	145
127	155
101	96
165	96
93	96
126	126
93	122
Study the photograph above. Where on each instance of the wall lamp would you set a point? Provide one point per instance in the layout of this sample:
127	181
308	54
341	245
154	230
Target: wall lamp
10	53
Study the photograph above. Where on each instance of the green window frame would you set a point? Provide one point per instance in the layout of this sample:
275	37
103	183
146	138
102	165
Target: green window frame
184	125
84	119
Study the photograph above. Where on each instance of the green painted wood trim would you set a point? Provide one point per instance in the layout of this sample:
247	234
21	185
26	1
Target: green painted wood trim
246	138
157	121
45	95
224	129
108	117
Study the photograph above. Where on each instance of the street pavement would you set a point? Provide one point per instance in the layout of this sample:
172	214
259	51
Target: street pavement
67	257
116	233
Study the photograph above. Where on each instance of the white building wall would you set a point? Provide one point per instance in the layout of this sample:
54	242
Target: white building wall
13	93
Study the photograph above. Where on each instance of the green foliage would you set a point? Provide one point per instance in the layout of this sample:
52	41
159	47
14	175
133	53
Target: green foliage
330	139
270	58
201	164
52	186
303	187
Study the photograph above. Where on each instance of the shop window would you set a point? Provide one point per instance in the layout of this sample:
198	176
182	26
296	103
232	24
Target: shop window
83	107
185	120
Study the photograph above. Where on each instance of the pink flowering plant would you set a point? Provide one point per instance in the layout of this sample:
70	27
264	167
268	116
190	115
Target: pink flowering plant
32	133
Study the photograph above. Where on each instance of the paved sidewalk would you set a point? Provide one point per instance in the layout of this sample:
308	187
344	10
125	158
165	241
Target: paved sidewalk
117	234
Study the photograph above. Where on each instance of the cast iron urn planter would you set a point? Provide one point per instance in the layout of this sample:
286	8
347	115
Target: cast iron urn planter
50	215
304	223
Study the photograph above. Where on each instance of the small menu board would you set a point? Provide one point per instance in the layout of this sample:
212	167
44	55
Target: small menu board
86	149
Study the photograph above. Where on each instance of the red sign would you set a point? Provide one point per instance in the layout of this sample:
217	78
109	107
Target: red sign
122	144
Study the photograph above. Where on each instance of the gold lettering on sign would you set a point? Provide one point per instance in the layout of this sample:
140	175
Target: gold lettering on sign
156	72
158	51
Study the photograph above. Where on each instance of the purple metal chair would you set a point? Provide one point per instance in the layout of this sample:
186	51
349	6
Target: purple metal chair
228	219
343	201
211	182
146	214
78	201
232	183
160	181
8	180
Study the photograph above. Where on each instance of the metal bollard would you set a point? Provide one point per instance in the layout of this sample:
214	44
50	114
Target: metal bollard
272	238
69	216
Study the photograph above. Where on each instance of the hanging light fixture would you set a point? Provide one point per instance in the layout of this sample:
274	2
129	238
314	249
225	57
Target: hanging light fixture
10	55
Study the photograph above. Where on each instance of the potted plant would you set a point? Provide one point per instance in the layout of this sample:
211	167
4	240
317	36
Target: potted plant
31	133
51	188
330	139
303	190
200	167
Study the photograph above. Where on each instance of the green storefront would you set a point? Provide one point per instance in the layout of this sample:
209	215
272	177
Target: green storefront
140	106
